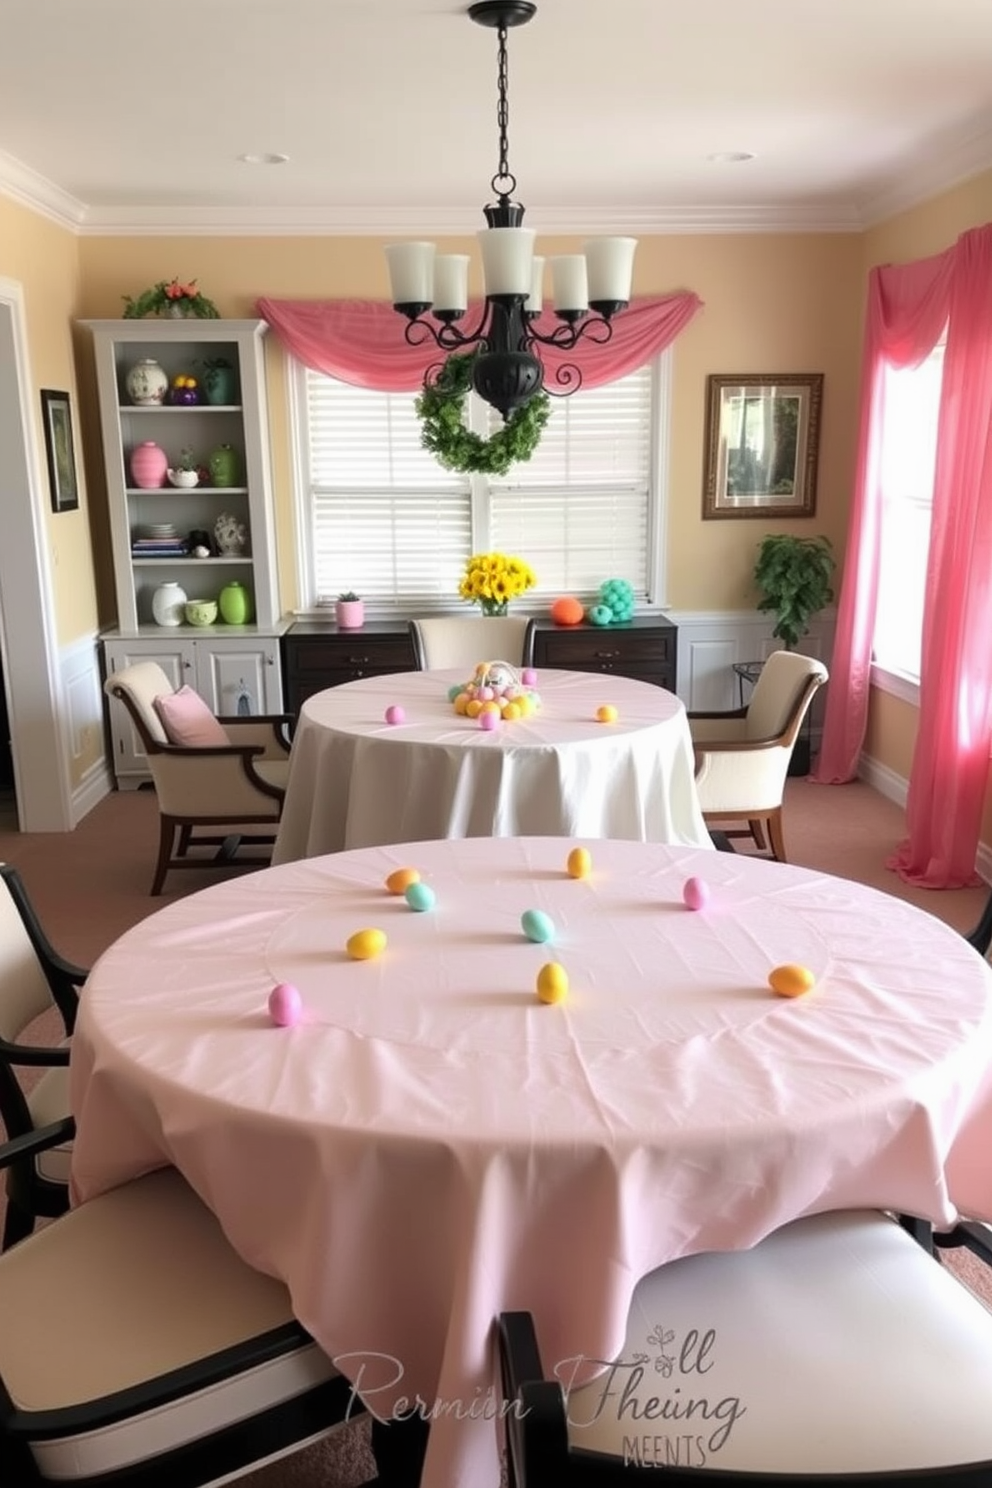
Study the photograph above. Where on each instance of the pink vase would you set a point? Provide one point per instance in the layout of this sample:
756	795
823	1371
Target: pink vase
148	465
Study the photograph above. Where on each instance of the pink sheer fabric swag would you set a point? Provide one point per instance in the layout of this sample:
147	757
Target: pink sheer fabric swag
362	341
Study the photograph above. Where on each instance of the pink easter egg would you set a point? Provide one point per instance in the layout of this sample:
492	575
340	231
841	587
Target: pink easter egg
488	720
395	714
528	676
695	893
285	1005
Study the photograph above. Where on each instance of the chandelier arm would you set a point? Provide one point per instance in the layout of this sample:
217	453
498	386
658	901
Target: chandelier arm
570	333
568	377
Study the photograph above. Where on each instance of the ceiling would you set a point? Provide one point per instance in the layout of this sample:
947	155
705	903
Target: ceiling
131	115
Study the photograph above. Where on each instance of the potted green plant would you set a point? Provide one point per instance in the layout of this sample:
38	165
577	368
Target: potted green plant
794	576
349	611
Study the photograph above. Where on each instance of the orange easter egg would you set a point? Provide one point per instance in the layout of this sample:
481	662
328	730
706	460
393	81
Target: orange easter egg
791	980
400	880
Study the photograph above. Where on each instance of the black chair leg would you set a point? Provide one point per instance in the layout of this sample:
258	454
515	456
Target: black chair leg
17	1225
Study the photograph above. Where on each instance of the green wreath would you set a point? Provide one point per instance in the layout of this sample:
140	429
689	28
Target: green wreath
440	408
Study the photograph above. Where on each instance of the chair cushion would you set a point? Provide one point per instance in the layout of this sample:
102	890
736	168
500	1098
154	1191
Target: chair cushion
187	720
836	1345
126	1288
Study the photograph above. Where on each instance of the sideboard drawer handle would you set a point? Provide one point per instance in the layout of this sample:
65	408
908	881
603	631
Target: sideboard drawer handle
358	661
606	655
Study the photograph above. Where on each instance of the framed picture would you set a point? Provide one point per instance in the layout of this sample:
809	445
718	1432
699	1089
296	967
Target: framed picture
59	448
762	444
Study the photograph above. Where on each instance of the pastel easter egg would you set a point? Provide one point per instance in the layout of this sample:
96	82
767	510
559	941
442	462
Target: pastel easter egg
538	926
419	896
488	720
511	712
528	676
454	690
285	1005
791	980
473	708
395	714
552	983
365	944
579	862
400	880
607	713
695	893
461	703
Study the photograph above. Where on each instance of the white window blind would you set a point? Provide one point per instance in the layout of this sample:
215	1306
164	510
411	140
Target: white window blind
906	474
380	516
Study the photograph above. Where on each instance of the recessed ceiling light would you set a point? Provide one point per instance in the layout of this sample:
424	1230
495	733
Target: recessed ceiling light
266	158
731	157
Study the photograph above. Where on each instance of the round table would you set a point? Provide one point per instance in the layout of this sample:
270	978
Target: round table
357	781
432	1145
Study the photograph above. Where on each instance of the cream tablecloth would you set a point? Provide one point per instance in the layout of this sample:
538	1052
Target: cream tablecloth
432	1144
356	781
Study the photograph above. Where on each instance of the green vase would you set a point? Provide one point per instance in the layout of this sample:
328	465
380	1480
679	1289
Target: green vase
219	385
224	465
234	602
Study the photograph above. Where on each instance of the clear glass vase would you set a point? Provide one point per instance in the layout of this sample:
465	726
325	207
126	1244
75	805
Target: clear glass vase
494	606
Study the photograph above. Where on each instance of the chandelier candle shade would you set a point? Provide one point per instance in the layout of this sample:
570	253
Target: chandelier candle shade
507	371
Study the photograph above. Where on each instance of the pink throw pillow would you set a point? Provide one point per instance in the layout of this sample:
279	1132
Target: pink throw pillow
187	719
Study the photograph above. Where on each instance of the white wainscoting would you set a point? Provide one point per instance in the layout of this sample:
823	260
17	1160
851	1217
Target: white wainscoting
710	642
82	690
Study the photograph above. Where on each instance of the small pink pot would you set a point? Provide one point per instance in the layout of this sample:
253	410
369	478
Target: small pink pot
350	614
148	465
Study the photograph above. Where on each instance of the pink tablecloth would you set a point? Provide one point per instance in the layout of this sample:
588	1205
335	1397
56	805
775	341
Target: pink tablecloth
433	1144
356	781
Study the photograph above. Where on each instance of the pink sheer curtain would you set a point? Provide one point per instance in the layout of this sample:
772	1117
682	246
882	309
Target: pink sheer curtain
951	763
361	341
906	312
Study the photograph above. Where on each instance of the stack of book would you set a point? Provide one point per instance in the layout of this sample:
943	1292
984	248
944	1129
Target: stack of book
159	547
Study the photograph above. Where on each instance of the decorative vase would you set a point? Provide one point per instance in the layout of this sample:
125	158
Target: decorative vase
235	603
149	464
230	535
146	383
350	613
169	604
223	464
218	384
492	607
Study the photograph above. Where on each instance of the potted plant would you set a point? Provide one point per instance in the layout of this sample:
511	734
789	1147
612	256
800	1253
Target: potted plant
794	576
349	611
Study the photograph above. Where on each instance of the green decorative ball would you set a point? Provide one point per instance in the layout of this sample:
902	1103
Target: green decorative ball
599	614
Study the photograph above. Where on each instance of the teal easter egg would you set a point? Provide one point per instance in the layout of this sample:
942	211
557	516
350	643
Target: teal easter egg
419	896
538	926
454	690
599	614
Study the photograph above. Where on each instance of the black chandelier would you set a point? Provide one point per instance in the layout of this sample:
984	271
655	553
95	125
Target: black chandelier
507	371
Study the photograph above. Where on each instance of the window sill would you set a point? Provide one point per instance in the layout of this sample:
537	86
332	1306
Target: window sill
896	684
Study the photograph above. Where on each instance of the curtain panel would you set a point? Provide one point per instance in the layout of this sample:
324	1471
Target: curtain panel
908	308
362	342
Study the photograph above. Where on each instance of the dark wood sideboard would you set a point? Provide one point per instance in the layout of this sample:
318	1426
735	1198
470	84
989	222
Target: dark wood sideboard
316	655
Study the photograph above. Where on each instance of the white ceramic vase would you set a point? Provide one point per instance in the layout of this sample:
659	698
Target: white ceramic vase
147	384
169	604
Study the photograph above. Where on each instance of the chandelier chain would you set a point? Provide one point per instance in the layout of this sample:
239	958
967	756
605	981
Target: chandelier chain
503	182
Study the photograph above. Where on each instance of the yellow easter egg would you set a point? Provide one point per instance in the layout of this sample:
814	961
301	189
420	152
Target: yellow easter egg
490	706
511	712
473	707
400	880
579	863
552	983
365	944
607	713
791	980
462	702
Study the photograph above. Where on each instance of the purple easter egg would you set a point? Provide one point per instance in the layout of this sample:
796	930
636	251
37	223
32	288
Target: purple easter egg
395	714
528	676
695	893
488	720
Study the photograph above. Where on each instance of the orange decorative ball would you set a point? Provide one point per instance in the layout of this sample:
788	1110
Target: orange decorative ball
567	611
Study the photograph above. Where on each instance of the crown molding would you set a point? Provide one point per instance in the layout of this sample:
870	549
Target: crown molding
932	174
39	194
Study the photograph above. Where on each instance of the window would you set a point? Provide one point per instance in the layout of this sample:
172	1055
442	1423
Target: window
908	450
381	517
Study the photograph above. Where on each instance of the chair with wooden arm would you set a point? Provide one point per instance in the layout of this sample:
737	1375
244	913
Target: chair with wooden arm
742	756
34	980
233	787
465	640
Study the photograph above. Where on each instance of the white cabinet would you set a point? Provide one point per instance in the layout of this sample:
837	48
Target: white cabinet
155	529
233	674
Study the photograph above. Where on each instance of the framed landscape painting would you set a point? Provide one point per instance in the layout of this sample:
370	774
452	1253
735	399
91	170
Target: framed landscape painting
762	444
59	448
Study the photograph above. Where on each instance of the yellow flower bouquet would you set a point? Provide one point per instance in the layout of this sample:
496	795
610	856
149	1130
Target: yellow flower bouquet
491	580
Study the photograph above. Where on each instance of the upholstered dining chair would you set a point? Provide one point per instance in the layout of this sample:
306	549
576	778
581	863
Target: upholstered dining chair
835	1350
34	980
220	782
465	640
138	1348
742	756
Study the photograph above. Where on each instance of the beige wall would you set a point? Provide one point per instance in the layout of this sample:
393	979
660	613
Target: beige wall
44	259
772	304
927	229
